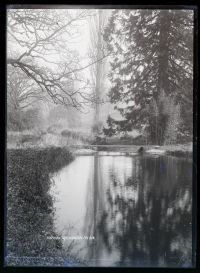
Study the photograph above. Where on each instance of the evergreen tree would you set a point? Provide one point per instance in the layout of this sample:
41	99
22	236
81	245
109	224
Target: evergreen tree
164	120
173	124
153	51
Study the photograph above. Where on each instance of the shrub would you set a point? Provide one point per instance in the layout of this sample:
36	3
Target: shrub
30	205
19	120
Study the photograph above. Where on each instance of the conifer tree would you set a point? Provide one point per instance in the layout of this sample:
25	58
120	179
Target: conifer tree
153	51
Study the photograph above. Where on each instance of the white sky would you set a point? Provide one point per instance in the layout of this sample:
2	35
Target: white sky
81	44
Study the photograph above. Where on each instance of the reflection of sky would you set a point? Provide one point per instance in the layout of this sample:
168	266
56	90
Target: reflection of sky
144	200
71	185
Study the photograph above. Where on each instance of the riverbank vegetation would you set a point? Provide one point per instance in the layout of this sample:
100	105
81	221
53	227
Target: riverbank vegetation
30	211
81	81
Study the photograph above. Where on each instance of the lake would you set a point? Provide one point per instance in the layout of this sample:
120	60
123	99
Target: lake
125	210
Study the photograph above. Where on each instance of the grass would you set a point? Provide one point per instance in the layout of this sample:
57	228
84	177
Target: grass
46	138
30	206
182	150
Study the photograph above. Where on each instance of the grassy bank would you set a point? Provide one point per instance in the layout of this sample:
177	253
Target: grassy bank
43	139
51	158
182	150
30	207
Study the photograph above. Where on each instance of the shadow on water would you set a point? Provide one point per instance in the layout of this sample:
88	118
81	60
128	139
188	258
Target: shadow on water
30	236
140	212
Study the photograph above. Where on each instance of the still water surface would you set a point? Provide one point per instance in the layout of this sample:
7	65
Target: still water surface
126	211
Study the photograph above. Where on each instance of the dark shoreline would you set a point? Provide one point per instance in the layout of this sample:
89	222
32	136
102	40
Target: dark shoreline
173	150
30	206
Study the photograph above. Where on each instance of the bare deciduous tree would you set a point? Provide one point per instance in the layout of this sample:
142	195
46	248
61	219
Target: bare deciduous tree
97	51
40	44
22	91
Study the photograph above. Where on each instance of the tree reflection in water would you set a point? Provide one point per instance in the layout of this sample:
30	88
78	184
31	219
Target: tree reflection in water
140	211
95	207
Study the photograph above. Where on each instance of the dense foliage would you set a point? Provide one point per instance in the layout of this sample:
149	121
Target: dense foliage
153	54
30	207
